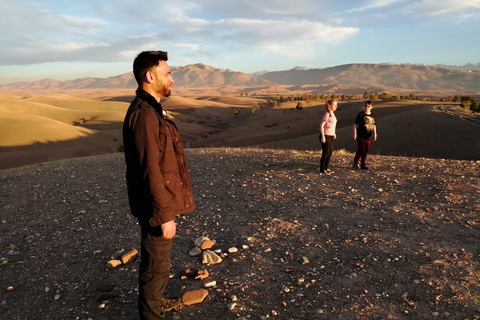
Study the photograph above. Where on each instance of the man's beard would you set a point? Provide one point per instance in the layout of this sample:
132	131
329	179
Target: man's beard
165	91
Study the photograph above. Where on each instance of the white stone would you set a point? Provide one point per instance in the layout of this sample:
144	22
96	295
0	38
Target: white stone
210	284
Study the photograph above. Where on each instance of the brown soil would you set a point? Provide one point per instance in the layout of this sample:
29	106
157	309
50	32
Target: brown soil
398	241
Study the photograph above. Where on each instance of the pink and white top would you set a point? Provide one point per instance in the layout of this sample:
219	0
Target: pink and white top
330	124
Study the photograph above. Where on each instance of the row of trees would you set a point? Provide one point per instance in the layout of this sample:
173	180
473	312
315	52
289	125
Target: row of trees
473	105
305	100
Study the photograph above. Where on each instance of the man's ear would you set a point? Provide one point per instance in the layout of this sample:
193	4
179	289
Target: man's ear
149	77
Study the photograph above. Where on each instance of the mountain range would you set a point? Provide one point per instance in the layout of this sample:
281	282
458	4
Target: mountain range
355	77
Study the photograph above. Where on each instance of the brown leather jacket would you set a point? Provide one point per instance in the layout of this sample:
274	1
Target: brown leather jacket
158	184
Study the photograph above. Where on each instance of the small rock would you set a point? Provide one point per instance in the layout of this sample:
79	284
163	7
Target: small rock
117	254
231	306
202	274
102	296
189	273
198	241
129	256
113	264
192	297
104	287
56	297
195	252
232	250
210	257
207	244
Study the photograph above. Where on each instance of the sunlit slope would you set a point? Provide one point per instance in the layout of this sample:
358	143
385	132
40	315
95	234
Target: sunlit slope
17	129
51	119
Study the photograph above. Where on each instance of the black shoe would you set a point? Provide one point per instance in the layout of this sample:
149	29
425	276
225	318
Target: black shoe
364	166
170	304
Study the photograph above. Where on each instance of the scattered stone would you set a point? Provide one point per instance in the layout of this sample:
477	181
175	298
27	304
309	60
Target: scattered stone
189	273
210	257
195	252
103	296
56	297
104	287
231	306
210	284
198	241
129	256
113	264
207	244
10	288
117	254
202	274
305	260
232	250
193	297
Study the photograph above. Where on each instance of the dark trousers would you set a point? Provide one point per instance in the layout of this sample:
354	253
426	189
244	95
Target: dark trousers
327	151
362	151
155	264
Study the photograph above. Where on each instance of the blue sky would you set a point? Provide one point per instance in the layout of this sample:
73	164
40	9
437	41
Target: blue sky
62	40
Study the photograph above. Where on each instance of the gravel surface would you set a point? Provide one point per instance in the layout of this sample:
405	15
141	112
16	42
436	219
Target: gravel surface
398	241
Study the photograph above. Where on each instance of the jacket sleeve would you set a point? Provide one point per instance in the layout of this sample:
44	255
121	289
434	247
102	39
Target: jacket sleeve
150	146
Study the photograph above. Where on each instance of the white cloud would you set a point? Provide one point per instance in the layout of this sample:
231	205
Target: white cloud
290	38
375	4
28	18
441	7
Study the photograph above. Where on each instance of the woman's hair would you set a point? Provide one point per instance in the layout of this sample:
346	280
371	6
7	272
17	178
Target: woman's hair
146	60
329	105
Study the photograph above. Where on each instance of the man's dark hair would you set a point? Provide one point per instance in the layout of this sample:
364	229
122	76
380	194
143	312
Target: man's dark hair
146	60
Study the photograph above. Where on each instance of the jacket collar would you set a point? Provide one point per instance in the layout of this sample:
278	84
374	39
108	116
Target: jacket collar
144	95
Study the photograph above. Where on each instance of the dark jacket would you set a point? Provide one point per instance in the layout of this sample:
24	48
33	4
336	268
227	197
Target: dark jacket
158	184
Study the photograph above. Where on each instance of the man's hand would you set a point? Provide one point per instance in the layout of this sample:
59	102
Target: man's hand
169	229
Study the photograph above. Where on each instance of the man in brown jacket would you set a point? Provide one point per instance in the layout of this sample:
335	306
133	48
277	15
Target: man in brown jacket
158	184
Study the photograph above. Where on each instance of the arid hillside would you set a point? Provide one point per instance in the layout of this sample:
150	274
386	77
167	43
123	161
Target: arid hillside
348	78
39	126
378	76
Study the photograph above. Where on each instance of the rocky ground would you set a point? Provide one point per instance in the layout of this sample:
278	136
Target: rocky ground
398	241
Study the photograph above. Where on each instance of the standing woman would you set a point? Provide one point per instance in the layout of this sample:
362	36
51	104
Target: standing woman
364	128
327	135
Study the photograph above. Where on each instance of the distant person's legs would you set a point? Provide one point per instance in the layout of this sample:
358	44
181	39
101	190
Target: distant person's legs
329	140
363	146
366	147
323	160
